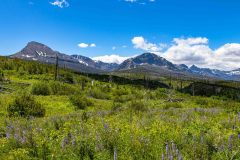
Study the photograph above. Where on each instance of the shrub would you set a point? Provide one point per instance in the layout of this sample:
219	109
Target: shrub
172	105
201	102
81	102
137	105
1	75
25	105
161	93
98	94
123	98
58	88
68	77
120	92
116	106
40	88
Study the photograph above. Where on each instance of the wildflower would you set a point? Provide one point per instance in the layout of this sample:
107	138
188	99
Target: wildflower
230	140
73	140
167	150
8	135
202	138
115	153
64	142
180	156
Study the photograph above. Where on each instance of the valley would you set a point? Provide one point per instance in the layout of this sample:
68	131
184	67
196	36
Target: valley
104	116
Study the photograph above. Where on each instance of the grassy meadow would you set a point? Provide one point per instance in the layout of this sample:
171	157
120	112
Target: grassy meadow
77	117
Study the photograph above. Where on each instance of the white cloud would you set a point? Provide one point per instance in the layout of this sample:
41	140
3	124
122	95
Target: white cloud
194	51
228	56
141	43
189	51
93	45
85	45
191	41
111	58
60	3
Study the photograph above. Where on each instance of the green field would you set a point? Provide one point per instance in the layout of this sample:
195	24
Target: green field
77	117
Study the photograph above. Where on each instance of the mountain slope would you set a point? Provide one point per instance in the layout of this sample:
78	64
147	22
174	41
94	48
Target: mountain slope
147	59
95	64
147	63
152	64
39	52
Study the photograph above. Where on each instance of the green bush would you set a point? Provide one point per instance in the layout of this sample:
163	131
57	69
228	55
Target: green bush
120	92
172	105
116	106
41	88
1	75
98	94
68	77
161	93
123	98
81	102
59	88
201	102
137	105
25	105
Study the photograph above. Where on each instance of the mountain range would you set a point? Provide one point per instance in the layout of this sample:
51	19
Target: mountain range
149	63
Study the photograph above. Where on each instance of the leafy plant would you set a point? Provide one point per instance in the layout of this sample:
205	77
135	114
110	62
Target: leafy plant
81	102
1	75
137	105
25	105
98	94
41	88
172	105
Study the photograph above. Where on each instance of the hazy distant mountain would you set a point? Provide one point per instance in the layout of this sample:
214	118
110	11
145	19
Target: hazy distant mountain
149	63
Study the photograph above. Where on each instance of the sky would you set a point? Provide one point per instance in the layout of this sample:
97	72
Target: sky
201	32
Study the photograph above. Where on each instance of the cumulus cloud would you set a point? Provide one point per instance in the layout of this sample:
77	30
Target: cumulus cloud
85	45
141	43
111	58
189	51
60	3
194	51
228	56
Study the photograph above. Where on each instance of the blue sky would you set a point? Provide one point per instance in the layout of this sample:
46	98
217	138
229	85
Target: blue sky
106	27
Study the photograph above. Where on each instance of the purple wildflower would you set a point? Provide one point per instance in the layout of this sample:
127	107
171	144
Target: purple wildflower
64	142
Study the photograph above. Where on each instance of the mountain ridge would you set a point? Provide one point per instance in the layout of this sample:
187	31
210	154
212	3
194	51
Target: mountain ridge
151	62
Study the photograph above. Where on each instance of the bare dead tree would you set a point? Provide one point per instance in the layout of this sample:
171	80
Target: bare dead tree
56	68
83	84
193	89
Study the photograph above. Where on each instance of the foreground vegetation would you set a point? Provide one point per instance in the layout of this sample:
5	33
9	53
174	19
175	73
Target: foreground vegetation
77	117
